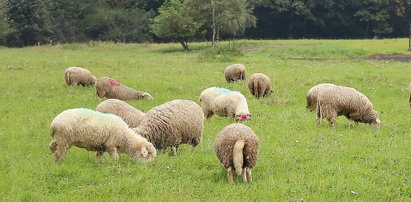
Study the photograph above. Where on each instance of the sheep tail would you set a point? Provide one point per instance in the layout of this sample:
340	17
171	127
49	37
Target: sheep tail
67	78
256	88
238	156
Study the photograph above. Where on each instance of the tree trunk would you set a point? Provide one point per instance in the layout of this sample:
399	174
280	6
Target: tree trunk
213	44
185	45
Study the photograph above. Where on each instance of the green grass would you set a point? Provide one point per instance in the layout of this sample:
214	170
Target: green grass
297	159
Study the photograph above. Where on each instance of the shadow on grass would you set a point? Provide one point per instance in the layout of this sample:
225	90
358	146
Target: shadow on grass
178	49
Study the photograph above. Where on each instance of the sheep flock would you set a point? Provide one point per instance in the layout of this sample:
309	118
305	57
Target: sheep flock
117	127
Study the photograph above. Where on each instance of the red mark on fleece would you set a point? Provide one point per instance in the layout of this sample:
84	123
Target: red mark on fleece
113	82
243	117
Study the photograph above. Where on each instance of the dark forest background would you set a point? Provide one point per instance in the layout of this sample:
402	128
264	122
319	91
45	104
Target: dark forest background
31	22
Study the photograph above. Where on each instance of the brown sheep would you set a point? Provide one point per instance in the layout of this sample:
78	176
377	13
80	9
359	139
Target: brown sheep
312	95
128	113
173	123
259	85
78	76
237	146
110	88
234	72
340	100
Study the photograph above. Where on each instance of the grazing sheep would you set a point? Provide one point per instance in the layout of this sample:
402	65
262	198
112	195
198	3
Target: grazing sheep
234	72
409	100
173	123
225	103
312	94
95	131
259	85
128	113
340	100
78	76
110	88
237	148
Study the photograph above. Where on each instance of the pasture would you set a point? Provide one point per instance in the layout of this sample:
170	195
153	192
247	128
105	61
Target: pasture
298	160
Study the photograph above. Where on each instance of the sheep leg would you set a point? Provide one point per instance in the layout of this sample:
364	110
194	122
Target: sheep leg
245	174
53	146
230	174
61	151
249	176
99	157
113	153
174	150
319	115
349	123
209	115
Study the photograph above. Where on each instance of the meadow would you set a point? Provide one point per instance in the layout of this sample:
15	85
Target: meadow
298	160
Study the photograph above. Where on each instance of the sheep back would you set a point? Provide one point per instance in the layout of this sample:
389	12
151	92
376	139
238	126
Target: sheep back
234	72
227	138
312	95
128	113
79	76
259	85
173	123
110	88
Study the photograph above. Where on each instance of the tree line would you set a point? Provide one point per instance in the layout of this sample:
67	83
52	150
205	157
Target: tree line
31	22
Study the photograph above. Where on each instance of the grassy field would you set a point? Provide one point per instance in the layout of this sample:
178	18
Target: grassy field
298	160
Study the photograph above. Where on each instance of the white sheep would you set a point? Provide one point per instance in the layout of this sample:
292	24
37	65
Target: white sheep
234	72
95	131
224	102
110	88
340	100
237	146
128	113
173	123
78	76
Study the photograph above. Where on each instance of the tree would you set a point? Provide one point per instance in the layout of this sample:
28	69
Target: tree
28	19
223	17
175	22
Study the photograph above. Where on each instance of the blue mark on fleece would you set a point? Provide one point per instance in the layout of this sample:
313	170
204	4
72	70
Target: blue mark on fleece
96	113
224	91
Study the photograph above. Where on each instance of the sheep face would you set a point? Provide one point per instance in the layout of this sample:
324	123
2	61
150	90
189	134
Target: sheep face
147	96
144	154
375	123
243	117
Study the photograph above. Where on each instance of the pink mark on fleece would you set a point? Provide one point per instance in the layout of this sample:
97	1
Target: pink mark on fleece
243	117
113	82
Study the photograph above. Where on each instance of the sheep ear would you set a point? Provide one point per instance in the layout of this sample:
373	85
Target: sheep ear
144	152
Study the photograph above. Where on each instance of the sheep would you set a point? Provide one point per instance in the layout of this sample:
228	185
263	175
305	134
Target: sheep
78	76
340	100
225	103
173	123
110	88
234	72
312	95
128	113
236	146
95	131
409	100
259	85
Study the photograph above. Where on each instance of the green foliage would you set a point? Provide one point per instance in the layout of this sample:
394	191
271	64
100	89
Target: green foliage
175	22
28	20
222	53
298	160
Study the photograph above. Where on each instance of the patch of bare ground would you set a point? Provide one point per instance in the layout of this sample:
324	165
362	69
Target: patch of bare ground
393	57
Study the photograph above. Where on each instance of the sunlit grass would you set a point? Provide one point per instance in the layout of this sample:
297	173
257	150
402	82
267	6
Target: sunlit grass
297	160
